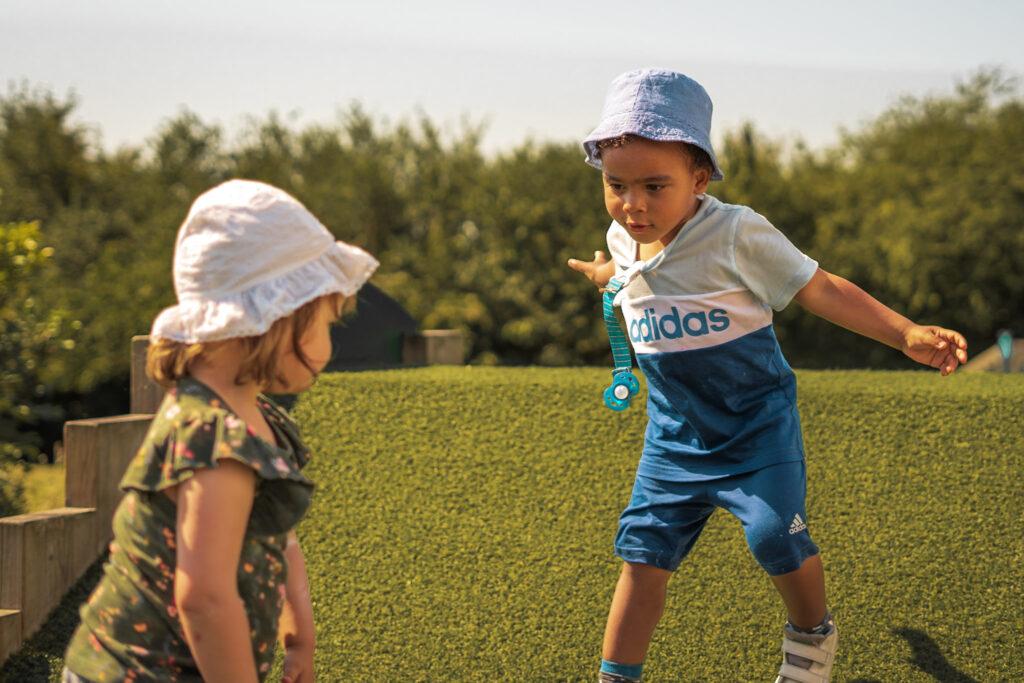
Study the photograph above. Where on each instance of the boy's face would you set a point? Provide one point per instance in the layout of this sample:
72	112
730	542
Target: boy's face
651	189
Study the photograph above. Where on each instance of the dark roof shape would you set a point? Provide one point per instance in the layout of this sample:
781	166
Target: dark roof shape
372	335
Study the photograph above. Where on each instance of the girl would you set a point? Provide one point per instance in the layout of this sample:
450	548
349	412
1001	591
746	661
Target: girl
205	571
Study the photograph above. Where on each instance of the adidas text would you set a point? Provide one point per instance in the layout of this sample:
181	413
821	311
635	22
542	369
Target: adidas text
673	326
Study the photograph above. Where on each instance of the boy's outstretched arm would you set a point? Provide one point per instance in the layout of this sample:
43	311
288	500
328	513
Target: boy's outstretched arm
847	305
599	271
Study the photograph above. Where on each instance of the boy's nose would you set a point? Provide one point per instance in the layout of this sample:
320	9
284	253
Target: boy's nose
632	202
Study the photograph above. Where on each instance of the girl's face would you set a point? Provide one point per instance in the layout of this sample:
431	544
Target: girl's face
316	346
651	189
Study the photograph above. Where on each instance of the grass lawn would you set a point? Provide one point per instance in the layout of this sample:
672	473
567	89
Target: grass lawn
44	487
462	526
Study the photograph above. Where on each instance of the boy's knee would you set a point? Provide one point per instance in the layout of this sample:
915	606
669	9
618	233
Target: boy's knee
645	574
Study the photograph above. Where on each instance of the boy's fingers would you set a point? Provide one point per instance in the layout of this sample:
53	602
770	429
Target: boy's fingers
955	345
953	337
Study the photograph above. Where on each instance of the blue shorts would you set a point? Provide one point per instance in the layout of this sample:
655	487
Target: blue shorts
664	518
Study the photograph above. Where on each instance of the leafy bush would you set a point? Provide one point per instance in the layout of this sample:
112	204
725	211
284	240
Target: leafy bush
32	340
930	188
12	489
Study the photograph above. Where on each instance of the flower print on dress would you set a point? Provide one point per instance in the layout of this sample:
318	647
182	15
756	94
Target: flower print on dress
232	422
144	555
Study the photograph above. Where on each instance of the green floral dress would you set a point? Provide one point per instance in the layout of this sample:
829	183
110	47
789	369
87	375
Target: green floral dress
130	628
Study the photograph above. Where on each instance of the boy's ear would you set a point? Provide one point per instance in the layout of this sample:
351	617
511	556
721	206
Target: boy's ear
702	178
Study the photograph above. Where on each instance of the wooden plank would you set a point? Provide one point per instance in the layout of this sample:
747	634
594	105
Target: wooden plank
97	452
56	547
146	394
12	561
81	451
433	346
10	633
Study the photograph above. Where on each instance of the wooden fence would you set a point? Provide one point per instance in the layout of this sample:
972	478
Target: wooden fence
43	554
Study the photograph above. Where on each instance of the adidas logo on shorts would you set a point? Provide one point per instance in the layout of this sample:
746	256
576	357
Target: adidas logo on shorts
797	526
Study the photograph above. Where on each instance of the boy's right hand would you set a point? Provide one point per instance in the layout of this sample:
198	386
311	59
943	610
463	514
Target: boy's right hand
599	271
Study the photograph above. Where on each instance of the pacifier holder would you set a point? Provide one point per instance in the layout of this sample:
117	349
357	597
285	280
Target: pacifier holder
624	382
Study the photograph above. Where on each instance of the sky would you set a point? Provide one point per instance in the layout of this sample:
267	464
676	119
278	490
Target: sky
529	70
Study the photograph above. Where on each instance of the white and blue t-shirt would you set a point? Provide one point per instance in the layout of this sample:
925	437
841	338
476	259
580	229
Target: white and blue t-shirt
721	397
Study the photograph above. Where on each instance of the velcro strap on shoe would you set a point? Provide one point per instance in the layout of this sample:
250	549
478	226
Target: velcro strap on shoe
788	672
815	654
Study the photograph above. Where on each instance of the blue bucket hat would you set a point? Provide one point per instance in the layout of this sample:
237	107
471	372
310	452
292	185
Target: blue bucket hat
660	105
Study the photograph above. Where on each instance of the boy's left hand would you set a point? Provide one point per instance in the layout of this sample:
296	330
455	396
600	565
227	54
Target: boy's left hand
935	346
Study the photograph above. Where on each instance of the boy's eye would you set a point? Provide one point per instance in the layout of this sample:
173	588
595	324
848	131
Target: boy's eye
654	188
616	187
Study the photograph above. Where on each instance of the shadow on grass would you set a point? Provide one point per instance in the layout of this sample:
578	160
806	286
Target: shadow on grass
929	658
41	657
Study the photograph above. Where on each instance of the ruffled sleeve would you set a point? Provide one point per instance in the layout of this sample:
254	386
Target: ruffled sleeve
194	429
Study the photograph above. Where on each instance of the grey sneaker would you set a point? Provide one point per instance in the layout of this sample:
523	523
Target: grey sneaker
606	677
808	657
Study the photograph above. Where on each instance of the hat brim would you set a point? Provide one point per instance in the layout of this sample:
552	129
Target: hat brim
649	127
341	268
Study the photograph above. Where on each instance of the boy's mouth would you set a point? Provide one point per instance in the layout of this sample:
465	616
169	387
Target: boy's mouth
637	227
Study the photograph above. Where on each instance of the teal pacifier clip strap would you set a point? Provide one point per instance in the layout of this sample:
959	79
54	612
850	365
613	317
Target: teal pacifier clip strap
624	383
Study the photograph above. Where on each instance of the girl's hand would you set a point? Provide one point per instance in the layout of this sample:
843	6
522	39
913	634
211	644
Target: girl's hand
599	271
298	664
296	628
935	346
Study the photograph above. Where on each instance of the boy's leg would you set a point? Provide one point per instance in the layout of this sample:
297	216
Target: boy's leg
770	504
636	608
656	530
810	642
803	591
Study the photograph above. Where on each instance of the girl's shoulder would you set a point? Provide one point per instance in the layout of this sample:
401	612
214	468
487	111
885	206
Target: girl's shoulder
194	429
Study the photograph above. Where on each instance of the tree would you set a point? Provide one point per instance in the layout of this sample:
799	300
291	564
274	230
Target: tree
43	155
926	211
32	341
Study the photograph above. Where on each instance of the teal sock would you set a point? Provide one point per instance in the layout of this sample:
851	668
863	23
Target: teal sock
613	672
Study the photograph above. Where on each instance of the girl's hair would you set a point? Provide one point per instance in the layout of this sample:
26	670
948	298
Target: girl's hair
697	157
167	361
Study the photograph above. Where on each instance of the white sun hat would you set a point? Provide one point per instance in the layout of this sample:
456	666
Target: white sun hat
249	254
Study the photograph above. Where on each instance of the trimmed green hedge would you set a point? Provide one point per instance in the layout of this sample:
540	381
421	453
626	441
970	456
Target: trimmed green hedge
463	523
463	520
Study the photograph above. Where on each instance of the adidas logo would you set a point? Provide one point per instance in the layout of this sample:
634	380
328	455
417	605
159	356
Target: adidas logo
673	326
797	526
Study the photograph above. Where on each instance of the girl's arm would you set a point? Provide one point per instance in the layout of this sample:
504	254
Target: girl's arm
213	511
847	305
296	629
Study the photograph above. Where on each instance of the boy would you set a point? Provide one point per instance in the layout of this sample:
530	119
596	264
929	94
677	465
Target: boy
702	278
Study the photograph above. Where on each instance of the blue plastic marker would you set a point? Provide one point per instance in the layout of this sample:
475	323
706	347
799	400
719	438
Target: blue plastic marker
624	382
